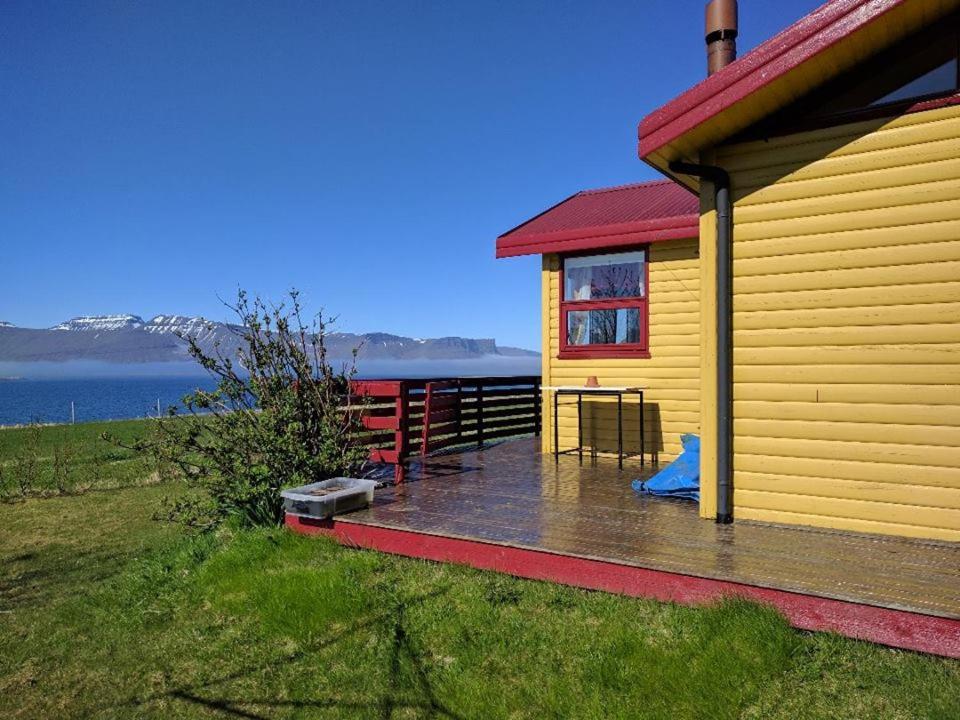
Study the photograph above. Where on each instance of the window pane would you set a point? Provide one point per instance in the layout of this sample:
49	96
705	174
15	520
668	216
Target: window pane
603	327
616	275
941	79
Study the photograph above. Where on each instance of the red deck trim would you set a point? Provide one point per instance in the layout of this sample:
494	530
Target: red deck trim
799	43
896	628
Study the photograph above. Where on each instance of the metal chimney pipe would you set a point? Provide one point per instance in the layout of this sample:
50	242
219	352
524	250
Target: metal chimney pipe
721	29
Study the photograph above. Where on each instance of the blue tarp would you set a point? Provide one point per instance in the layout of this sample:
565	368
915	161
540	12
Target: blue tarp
681	478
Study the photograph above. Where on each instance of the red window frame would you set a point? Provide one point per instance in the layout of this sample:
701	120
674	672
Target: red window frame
623	350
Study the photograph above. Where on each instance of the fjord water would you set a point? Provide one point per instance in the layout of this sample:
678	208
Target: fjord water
48	400
105	392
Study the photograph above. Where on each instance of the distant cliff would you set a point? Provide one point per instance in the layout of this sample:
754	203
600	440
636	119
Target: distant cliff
131	339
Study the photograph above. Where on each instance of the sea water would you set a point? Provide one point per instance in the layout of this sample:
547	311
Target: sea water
44	392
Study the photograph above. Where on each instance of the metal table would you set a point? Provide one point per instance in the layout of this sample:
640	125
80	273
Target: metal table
579	392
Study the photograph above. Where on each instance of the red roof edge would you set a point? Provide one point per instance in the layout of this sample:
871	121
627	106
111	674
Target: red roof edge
809	36
632	214
641	232
535	217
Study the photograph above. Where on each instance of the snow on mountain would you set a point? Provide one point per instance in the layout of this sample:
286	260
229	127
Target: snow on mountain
128	338
210	336
86	323
161	324
4	323
197	327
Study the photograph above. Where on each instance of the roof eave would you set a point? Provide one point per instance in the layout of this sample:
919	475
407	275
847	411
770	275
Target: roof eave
595	238
700	117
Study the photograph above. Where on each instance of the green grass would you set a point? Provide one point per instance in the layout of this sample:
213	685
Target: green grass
74	454
106	614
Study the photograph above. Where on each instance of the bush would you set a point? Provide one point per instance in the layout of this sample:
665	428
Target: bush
64	469
281	415
24	476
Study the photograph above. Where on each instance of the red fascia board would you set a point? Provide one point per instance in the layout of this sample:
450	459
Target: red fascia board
786	51
633	233
518	228
886	626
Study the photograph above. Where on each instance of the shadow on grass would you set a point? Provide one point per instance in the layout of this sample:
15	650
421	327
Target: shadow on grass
402	646
401	650
61	569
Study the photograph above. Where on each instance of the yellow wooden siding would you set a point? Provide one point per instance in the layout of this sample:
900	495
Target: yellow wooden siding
847	326
671	375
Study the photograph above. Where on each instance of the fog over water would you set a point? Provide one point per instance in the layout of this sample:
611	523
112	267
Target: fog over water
43	392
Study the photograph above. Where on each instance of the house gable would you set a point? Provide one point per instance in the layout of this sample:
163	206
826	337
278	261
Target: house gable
828	42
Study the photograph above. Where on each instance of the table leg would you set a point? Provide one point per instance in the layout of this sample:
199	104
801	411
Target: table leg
643	449
556	430
580	427
620	429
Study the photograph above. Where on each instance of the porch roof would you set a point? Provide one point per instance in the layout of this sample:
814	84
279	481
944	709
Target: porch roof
607	217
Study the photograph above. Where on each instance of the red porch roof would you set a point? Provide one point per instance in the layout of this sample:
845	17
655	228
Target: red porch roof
607	217
831	39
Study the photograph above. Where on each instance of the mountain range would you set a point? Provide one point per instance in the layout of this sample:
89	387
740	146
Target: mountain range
131	339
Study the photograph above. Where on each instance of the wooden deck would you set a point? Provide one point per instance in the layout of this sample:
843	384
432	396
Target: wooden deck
509	495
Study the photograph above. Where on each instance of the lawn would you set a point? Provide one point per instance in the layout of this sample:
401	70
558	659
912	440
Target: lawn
52	458
105	613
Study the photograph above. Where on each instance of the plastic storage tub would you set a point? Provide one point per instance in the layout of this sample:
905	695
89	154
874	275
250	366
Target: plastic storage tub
328	497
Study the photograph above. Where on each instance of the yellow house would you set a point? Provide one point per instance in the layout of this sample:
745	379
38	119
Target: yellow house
621	277
810	331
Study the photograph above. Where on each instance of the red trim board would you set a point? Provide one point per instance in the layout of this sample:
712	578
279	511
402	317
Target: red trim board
640	232
896	628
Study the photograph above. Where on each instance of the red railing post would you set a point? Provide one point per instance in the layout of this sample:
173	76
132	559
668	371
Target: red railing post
503	408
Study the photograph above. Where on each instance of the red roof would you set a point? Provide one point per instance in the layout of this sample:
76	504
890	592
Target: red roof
607	217
807	39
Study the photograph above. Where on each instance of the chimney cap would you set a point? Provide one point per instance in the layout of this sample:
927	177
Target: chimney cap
721	18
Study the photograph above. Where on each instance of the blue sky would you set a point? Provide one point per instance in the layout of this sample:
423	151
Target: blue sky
156	155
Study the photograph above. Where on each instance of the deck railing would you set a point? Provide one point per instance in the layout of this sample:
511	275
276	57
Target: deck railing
408	418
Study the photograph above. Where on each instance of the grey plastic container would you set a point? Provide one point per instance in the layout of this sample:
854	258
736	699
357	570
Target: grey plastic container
304	500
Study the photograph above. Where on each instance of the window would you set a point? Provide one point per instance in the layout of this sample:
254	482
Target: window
939	81
603	305
922	69
918	73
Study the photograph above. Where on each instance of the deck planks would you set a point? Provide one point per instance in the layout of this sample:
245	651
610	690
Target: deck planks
510	494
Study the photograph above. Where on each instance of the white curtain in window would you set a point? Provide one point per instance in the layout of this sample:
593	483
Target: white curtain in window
613	274
578	283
